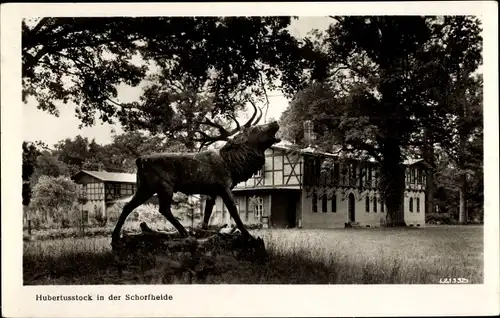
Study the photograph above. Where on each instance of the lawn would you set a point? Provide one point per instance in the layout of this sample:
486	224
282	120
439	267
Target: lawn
343	256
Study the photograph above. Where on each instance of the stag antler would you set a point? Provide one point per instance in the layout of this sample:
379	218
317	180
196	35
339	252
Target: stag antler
224	134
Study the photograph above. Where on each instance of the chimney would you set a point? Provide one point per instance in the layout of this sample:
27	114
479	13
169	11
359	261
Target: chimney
100	166
309	136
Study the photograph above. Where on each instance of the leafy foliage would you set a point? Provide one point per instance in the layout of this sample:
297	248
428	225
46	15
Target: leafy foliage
54	197
31	151
386	80
48	165
214	59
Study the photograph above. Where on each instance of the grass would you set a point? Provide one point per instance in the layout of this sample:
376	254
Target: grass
344	256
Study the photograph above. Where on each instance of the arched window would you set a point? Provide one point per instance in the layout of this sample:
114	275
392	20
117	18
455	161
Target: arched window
411	204
324	204
375	204
315	203
418	205
334	203
367	204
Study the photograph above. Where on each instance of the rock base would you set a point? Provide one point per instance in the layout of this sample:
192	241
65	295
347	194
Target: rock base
203	253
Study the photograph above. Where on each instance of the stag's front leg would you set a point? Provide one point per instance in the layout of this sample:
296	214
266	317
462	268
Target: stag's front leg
209	206
142	194
165	197
228	199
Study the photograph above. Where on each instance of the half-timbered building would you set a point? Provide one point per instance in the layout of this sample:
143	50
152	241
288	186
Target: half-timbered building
295	188
103	189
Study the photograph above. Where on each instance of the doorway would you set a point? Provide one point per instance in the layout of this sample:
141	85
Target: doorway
351	208
284	209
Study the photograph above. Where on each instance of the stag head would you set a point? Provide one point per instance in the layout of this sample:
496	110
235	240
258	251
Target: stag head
257	135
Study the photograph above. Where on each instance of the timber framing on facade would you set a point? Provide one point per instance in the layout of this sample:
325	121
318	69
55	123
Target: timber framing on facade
104	189
296	188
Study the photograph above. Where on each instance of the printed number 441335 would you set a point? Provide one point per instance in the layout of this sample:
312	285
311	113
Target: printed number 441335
453	280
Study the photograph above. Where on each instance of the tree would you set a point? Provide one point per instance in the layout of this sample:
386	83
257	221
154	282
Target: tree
30	155
381	87
54	197
82	60
461	108
77	154
120	155
48	165
79	60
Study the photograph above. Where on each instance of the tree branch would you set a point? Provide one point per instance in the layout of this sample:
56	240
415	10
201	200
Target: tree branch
368	148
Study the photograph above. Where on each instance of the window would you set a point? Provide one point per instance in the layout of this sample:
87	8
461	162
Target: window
352	174
336	172
126	189
418	205
258	207
382	206
375	204
361	175
93	190
258	173
367	204
315	203
411	204
85	217
370	173
334	203
324	204
236	202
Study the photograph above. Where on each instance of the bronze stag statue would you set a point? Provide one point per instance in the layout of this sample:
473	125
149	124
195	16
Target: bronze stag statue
212	172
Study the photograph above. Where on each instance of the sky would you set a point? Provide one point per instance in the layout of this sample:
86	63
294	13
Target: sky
39	125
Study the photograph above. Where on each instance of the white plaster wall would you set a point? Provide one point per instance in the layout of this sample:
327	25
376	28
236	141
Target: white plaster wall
414	218
328	220
371	218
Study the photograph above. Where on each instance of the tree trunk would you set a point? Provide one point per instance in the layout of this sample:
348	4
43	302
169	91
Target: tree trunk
393	184
428	153
462	215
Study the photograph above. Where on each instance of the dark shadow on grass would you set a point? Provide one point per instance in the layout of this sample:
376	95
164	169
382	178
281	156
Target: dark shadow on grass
100	268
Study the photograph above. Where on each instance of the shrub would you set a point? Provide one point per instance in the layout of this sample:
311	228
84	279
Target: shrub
66	222
439	218
114	211
36	222
100	220
54	197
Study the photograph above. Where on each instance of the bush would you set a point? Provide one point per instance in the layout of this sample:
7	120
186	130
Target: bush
100	220
36	222
439	218
55	198
65	223
114	211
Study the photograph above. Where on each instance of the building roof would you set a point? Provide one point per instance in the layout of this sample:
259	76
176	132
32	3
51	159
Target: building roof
311	150
274	187
411	162
109	176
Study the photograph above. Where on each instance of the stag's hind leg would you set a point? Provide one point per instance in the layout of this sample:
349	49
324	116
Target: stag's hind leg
141	196
228	199
165	193
209	206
